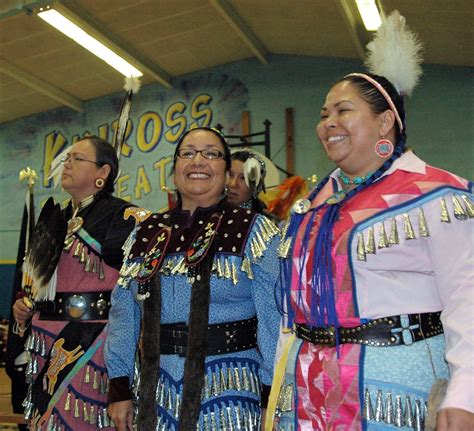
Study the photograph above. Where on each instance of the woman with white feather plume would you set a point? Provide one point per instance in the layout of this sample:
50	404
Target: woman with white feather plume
69	271
377	272
246	180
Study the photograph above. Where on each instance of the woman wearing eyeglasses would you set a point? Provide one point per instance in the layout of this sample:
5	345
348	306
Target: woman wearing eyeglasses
201	278
71	268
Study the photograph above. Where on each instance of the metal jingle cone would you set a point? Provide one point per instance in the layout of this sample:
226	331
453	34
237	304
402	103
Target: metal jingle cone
459	212
419	418
445	218
399	419
213	422
389	414
223	420
238	384
368	408
245	379
409	420
393	238
379	413
468	205
67	403
215	387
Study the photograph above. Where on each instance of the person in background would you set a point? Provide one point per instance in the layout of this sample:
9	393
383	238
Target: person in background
246	180
378	277
198	281
72	266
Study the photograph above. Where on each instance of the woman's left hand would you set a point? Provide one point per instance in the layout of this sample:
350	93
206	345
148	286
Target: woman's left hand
454	420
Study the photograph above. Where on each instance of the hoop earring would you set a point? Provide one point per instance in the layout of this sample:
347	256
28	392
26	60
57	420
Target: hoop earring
384	148
99	183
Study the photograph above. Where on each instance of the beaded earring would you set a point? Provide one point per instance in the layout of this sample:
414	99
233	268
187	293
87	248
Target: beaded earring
384	148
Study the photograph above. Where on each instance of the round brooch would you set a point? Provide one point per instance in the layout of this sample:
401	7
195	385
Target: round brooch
301	206
74	225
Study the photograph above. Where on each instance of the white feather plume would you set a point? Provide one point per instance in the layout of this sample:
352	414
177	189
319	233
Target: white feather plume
395	52
252	173
132	84
56	169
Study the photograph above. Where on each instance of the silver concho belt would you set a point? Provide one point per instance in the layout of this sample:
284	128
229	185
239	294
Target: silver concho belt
405	329
75	306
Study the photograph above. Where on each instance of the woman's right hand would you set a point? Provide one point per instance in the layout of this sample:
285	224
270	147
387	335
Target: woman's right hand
21	312
121	412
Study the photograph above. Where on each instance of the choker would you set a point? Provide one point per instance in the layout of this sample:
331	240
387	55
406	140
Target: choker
247	204
81	205
356	181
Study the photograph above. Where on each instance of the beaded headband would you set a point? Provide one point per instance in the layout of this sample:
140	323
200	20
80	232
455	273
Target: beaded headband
384	93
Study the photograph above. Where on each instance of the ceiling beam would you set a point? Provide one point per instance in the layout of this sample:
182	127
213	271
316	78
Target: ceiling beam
225	8
39	85
381	9
82	19
10	8
359	35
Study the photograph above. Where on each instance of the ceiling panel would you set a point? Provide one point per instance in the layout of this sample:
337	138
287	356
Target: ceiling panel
445	28
184	36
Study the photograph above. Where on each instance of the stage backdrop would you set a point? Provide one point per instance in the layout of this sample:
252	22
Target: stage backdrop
439	125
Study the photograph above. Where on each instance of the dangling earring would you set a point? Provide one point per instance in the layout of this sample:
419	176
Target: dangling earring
99	183
384	148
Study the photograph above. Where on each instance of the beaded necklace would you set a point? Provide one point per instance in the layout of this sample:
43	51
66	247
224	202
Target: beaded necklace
355	181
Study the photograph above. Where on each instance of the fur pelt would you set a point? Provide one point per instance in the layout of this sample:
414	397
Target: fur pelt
194	367
436	396
150	358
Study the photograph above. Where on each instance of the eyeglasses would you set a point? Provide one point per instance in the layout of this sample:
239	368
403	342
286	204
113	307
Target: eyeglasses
209	153
74	159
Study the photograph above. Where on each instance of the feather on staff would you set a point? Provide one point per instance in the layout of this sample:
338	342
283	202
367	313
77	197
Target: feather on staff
132	86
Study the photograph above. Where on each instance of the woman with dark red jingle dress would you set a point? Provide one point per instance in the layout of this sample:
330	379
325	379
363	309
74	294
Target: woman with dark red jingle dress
72	266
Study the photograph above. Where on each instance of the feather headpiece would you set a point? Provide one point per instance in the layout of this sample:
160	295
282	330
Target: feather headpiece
395	53
132	86
254	173
56	169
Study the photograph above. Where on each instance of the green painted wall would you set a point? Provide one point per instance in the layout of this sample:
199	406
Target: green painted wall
440	114
439	117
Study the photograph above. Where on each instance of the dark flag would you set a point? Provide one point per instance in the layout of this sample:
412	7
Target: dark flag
15	343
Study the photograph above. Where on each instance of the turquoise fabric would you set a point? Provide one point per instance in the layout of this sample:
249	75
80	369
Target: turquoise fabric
403	371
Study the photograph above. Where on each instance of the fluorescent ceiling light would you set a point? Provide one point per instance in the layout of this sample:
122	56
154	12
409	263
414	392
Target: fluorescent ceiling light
370	14
64	25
